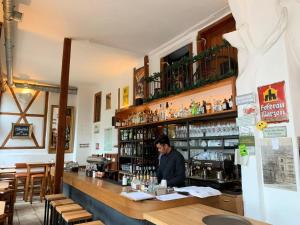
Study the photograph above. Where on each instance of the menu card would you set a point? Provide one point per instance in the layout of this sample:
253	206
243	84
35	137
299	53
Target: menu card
137	196
200	192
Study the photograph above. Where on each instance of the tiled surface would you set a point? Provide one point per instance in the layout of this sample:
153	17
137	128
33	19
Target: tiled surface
27	214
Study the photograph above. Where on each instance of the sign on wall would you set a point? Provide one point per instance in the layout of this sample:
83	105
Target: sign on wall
272	103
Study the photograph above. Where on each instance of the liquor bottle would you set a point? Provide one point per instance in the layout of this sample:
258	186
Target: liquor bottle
167	112
225	105
230	102
204	107
208	107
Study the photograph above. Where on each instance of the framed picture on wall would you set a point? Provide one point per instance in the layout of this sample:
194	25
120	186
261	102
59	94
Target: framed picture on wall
69	137
138	85
108	101
125	96
21	131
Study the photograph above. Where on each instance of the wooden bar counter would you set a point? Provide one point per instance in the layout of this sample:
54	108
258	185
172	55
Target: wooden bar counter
85	189
188	215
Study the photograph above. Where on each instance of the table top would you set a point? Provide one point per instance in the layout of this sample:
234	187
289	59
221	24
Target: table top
109	194
7	171
187	215
2	207
4	185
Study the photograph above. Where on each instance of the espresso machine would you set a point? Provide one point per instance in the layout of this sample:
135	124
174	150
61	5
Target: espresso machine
97	166
220	174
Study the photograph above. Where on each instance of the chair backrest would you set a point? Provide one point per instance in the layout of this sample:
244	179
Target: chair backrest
36	167
21	165
52	171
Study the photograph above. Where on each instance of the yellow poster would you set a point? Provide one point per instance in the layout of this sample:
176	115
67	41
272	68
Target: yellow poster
125	96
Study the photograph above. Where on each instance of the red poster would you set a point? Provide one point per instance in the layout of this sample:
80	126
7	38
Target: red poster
272	103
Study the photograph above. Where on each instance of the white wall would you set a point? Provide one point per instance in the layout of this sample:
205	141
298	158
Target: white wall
9	157
265	57
112	83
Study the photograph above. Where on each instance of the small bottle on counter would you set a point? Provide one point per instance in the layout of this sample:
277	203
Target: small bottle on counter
124	180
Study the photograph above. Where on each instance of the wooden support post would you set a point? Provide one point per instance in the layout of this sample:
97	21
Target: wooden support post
63	100
1	76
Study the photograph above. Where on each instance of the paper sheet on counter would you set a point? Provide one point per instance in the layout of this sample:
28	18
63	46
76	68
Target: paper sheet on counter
200	192
169	197
137	196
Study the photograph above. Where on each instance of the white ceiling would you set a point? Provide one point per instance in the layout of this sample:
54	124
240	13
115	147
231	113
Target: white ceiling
134	25
120	33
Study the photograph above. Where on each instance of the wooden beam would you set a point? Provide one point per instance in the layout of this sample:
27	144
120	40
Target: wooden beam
63	100
45	117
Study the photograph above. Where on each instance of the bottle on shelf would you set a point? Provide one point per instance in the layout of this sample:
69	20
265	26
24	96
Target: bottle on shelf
230	102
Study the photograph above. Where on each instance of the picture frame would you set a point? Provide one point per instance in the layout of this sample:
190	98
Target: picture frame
139	76
125	102
53	129
108	101
21	131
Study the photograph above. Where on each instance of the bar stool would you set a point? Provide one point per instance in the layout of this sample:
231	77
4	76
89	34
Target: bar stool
48	199
97	222
56	203
64	209
71	218
21	176
35	181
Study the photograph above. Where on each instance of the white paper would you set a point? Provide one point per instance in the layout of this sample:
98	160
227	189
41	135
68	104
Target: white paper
137	196
275	143
200	192
169	197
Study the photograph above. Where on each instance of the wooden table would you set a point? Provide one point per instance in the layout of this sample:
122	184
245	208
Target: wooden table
187	215
4	171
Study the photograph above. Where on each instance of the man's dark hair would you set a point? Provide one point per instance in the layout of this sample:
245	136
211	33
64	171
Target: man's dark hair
163	140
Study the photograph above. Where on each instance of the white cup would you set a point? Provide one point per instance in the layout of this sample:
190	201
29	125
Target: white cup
163	183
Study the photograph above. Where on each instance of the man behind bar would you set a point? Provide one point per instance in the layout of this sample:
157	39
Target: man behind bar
171	164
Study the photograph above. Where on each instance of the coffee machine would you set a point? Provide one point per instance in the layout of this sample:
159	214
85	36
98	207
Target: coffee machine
97	166
219	173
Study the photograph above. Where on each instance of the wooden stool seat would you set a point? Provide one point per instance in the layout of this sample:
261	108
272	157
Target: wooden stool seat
76	216
68	208
37	175
48	200
55	197
97	222
24	175
61	202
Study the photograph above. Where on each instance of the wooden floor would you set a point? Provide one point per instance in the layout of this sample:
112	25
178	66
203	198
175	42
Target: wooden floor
27	214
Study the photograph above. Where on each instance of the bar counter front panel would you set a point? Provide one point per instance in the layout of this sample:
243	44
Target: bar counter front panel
103	199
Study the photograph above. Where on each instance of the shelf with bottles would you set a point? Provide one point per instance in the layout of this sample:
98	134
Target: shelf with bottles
229	82
207	102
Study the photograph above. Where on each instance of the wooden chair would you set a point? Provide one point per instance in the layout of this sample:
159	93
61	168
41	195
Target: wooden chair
2	213
50	182
21	176
36	180
8	196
